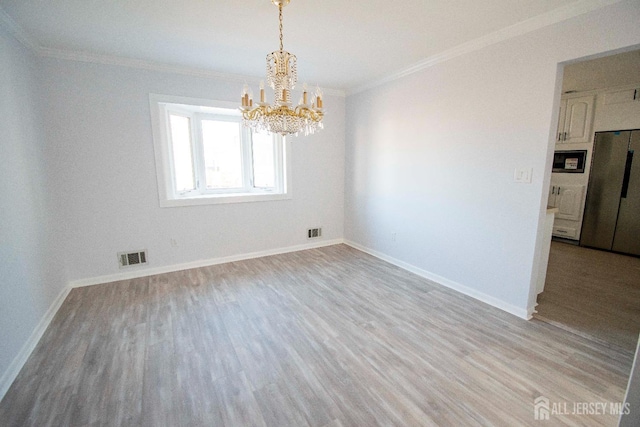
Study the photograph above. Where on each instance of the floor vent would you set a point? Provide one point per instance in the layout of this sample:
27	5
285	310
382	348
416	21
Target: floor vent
314	233
127	259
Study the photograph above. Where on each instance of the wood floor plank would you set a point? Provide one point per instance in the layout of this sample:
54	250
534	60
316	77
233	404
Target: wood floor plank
327	337
307	392
238	403
271	398
160	384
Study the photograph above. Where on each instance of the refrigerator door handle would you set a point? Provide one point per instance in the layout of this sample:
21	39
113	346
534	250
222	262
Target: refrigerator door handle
627	174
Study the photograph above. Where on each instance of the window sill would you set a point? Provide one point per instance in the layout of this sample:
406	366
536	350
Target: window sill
218	199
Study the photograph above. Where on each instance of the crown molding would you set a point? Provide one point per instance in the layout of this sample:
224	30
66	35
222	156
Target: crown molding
32	44
552	17
140	64
96	58
16	30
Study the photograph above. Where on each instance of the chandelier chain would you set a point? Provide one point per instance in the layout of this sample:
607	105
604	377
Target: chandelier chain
281	38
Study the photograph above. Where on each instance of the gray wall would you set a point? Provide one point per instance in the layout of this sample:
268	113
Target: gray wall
99	129
430	157
30	276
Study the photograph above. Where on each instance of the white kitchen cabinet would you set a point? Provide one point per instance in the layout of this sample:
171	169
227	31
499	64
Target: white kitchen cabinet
575	121
566	232
622	96
568	200
551	203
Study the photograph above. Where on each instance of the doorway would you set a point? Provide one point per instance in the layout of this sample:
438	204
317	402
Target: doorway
590	292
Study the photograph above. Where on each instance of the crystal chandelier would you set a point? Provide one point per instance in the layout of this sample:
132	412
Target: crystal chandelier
282	78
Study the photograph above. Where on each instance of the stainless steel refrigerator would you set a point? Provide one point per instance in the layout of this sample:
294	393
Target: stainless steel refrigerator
612	212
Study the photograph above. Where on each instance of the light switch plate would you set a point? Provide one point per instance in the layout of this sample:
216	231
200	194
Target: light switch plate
523	176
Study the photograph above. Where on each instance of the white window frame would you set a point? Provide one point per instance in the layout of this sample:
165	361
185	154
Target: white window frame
197	109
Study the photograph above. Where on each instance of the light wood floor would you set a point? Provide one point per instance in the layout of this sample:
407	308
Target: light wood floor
593	293
328	337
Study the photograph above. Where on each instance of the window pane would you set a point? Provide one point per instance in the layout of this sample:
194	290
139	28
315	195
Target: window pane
264	174
182	155
222	154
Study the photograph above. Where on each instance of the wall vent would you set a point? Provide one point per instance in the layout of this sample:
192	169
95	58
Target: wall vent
314	233
127	259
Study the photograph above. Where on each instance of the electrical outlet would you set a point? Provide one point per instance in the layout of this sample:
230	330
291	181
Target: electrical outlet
393	236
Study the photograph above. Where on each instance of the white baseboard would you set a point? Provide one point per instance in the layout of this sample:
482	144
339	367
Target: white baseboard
532	310
495	302
21	358
142	272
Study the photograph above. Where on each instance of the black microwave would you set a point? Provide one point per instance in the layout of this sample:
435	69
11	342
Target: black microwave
569	161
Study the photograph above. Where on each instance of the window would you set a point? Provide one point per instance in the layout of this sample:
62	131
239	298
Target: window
204	155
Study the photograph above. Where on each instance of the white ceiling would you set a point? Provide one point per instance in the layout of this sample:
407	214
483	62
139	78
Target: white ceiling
339	44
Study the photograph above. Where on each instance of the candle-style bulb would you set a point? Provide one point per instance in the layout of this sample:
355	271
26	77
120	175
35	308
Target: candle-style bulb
318	98
244	97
